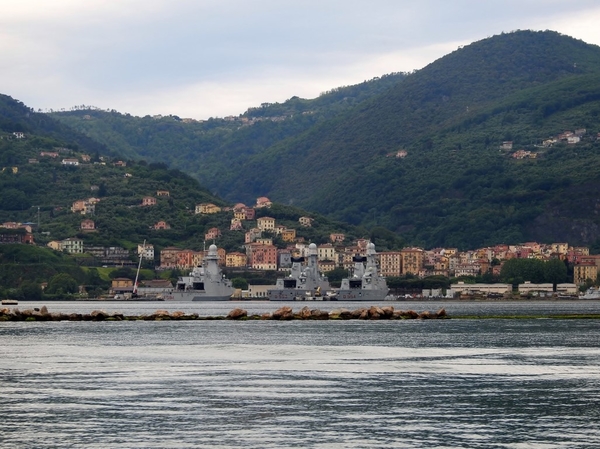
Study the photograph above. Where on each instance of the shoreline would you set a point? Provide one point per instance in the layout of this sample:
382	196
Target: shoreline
285	313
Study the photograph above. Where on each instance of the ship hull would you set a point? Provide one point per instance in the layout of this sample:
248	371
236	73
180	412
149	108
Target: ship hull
196	296
361	295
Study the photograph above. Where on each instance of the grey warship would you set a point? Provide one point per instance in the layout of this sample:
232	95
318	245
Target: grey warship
304	283
204	283
366	284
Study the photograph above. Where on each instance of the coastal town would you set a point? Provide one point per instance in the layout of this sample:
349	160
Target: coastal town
261	254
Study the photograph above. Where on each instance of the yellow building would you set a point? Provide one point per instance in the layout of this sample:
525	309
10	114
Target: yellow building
207	208
390	263
288	235
584	271
412	260
235	260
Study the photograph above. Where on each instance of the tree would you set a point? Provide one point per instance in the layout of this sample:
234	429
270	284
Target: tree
555	271
62	283
32	291
336	275
240	283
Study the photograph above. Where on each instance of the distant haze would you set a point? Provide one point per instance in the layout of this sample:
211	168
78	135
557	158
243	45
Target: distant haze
203	58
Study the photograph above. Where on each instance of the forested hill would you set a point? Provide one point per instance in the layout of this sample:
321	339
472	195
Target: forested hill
216	149
455	187
16	117
423	156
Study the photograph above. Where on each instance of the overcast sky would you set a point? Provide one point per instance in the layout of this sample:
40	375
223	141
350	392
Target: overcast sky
212	58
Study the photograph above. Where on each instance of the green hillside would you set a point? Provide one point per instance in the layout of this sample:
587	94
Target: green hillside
40	189
454	187
215	150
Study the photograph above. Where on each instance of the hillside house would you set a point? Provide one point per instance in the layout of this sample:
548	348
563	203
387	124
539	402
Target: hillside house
186	259
16	236
252	235
305	221
236	225
87	225
148	201
288	235
72	246
212	234
146	251
266	224
264	241
207	208
84	207
161	225
168	257
56	245
326	252
263	201
506	145
162	193
51	154
250	213
70	162
337	238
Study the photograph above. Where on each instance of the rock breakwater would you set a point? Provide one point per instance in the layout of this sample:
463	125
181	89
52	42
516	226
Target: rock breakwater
285	313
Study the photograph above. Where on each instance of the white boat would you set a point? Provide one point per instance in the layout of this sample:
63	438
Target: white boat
591	293
366	284
305	283
204	283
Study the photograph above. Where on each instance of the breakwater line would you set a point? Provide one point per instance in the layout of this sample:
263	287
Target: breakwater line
285	313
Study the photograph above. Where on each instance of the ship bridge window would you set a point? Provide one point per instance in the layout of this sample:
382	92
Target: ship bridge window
180	287
289	283
355	284
198	285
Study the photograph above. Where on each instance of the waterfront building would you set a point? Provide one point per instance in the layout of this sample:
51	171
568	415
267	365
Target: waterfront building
584	271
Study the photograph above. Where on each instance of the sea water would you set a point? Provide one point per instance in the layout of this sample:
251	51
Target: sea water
494	383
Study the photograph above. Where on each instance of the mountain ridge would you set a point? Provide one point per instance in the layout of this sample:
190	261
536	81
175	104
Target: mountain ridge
450	117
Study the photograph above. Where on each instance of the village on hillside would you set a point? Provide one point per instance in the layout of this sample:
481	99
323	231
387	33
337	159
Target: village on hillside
261	254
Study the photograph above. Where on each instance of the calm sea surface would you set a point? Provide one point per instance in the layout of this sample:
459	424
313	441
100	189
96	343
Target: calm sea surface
338	384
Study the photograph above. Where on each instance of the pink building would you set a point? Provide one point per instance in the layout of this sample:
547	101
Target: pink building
87	225
212	234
